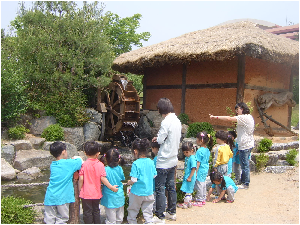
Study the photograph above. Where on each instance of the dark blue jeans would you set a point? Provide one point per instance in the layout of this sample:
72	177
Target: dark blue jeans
165	179
244	160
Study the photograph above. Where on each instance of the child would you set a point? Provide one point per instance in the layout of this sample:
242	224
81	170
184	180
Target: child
223	153
91	174
60	192
223	183
113	202
142	173
202	157
189	178
236	167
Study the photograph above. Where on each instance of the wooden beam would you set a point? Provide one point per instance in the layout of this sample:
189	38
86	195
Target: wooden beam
261	88
144	81
183	88
195	86
240	79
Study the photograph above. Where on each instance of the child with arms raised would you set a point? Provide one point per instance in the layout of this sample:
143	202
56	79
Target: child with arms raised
142	173
60	192
113	202
202	156
224	185
189	178
91	174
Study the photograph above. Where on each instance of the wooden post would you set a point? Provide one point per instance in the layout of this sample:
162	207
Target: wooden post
74	213
144	81
294	71
183	88
240	79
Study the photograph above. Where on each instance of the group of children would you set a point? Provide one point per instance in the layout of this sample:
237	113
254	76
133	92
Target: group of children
93	172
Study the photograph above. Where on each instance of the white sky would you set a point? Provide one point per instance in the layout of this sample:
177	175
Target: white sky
169	19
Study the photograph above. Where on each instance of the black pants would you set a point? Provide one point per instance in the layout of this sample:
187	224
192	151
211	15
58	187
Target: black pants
91	211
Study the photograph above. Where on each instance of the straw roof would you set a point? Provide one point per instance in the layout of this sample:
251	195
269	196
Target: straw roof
215	43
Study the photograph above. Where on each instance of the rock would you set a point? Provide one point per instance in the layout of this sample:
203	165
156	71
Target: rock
30	173
284	146
37	143
278	169
252	166
7	171
94	115
105	146
155	117
38	125
30	158
22	145
184	129
92	131
71	149
282	163
143	130
273	158
74	136
8	153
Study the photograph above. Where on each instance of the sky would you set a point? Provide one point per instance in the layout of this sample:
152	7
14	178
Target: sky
170	19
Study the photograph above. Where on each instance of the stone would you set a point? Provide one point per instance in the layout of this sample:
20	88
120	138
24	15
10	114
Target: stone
74	136
7	171
284	146
22	145
94	115
91	131
8	153
184	129
278	169
282	163
37	142
143	130
38	125
30	173
155	117
105	146
30	158
71	149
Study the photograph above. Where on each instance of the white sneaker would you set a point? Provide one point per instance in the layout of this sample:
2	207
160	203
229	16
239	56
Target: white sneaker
170	217
156	220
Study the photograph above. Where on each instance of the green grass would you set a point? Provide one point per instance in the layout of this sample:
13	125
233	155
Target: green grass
295	115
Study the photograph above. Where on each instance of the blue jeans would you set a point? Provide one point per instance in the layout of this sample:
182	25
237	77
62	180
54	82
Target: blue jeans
165	179
244	161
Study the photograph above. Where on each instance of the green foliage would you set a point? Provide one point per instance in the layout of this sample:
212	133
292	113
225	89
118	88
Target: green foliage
197	127
296	88
264	145
18	132
53	133
184	118
295	115
291	156
137	81
261	161
13	212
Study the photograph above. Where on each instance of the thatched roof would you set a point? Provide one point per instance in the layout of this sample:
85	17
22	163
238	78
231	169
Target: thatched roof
215	43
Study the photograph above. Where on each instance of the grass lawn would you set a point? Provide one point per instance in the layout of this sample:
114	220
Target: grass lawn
295	115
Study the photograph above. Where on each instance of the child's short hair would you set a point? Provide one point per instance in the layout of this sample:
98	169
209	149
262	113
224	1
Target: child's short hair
187	146
222	135
154	144
142	145
165	106
113	158
91	148
215	175
56	148
232	133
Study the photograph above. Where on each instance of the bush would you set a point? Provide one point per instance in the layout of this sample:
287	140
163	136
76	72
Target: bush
264	145
184	118
261	161
53	133
197	127
291	156
17	132
13	212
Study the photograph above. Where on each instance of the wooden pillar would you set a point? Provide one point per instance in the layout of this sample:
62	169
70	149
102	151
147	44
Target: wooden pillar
144	81
183	88
294	71
74	209
240	79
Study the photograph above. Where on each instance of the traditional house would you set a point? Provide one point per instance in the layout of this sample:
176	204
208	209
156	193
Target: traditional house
206	71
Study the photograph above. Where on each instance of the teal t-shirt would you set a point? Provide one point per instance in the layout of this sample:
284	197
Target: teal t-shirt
189	163
228	182
60	189
144	170
202	156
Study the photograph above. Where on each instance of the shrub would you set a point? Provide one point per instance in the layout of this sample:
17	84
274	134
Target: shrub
264	145
184	118
290	157
17	132
53	133
13	212
261	161
197	127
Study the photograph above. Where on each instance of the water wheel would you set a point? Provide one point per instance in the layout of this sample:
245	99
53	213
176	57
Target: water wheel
122	106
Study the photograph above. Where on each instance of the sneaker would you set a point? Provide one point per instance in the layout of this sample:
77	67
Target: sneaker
229	201
243	186
170	217
199	204
156	220
203	202
182	206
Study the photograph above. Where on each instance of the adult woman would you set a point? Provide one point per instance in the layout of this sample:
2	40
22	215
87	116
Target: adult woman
245	139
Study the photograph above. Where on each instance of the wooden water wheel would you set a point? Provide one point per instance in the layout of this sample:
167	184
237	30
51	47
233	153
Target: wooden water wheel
120	105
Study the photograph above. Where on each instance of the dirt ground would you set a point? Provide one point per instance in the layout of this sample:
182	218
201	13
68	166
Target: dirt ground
271	199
